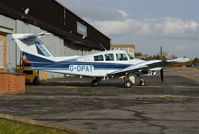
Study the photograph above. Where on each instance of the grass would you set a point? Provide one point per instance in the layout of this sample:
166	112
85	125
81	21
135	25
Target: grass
90	93
143	119
168	96
13	127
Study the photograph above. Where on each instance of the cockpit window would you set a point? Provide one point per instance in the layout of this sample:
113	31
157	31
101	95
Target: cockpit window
109	57
99	58
121	56
130	56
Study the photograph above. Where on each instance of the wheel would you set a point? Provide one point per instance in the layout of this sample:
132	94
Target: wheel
94	83
128	84
142	83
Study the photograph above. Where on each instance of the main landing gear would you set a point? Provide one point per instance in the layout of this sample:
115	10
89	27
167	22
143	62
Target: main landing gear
95	82
142	82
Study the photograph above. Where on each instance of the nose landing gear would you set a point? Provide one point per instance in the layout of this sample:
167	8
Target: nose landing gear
129	81
128	84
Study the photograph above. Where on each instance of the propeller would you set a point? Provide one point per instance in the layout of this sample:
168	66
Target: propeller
162	75
162	70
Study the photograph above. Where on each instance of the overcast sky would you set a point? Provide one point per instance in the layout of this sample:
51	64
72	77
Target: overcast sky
147	24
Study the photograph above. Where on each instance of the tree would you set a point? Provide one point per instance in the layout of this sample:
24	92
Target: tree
138	54
195	61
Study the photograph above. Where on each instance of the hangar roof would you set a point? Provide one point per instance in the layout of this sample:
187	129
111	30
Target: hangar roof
55	18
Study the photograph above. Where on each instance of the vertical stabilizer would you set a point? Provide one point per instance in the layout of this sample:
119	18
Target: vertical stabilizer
30	43
33	48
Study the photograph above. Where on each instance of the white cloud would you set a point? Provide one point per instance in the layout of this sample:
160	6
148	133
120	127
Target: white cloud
123	13
177	27
161	27
180	48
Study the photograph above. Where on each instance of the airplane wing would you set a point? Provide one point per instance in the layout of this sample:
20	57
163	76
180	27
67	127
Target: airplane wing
180	60
148	65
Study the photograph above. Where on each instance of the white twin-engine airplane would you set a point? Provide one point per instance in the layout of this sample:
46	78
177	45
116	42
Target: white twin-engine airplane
99	66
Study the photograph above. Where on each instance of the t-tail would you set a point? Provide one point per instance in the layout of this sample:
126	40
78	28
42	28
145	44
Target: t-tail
34	50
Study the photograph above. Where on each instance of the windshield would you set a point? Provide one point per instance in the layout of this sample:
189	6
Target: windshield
121	56
130	56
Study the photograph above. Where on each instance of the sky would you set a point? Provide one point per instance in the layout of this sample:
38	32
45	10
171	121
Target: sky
148	24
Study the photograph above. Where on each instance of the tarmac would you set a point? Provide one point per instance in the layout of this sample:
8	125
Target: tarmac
168	108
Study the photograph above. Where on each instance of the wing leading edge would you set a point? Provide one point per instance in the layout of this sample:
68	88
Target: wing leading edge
147	65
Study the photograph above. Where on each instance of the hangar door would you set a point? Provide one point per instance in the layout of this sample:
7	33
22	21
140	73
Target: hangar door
3	53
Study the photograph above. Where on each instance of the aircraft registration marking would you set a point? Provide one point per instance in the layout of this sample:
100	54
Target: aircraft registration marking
42	49
81	68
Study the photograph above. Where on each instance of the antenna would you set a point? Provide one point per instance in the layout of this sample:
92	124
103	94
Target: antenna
102	46
161	53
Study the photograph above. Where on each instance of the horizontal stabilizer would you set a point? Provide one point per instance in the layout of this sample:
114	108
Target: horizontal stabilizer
27	36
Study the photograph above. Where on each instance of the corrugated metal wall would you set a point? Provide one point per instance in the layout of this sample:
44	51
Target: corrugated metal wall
73	49
56	45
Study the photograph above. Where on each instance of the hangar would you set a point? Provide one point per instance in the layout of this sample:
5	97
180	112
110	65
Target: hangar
71	35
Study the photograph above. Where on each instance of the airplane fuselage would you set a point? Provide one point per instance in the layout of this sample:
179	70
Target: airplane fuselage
95	65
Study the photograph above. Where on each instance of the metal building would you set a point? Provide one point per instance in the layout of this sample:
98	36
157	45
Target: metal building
71	35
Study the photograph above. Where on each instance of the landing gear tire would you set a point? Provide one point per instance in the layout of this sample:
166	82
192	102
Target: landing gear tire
142	83
94	83
127	84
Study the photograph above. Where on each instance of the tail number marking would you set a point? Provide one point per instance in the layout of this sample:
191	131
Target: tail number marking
81	68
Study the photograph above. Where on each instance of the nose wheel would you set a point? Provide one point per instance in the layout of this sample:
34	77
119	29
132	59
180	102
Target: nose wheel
128	84
129	81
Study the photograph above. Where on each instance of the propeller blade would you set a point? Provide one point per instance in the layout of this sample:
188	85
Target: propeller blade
162	75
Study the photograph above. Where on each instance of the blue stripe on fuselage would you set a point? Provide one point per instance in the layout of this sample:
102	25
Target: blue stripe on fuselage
66	69
35	58
67	64
38	62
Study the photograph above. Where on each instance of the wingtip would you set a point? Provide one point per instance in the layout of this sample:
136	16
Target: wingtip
180	60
